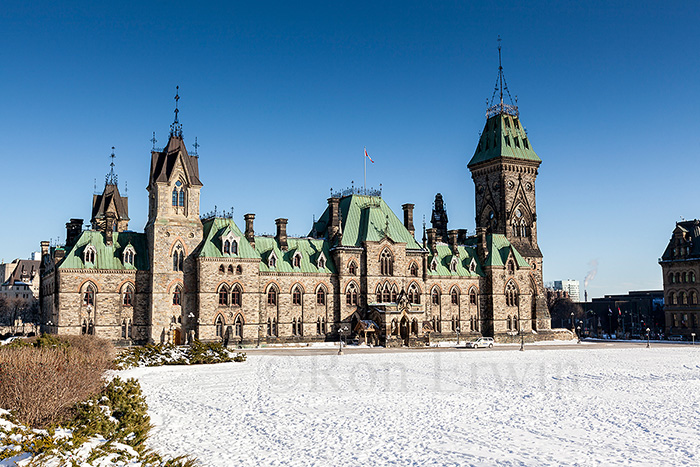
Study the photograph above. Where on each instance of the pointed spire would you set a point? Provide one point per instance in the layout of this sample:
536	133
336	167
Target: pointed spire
111	178
176	127
501	85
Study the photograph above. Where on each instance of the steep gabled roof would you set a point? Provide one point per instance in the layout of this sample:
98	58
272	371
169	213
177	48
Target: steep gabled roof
104	202
367	219
310	250
688	235
444	257
503	136
163	163
499	249
211	247
107	256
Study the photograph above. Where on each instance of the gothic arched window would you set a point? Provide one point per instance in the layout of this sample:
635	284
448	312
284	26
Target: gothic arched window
454	296
177	296
413	269
128	298
296	296
272	296
414	294
182	197
386	260
174	196
89	295
472	297
320	296
219	323
238	324
511	294
351	294
223	296
236	295
435	296
352	268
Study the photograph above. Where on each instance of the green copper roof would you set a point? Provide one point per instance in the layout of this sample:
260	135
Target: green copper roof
499	248
107	257
218	227
367	218
503	136
444	260
310	249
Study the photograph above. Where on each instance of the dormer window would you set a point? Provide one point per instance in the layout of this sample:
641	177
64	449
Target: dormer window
272	260
472	266
321	262
433	265
296	260
89	254
453	265
129	254
229	244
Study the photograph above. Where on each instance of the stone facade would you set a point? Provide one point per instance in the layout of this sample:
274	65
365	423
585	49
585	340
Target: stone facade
359	272
680	264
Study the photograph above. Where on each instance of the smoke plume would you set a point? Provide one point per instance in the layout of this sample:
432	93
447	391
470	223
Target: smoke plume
591	274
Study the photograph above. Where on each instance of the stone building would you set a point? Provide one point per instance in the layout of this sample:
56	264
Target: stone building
680	264
360	269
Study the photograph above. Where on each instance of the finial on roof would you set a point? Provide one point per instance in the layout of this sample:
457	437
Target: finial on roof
176	127
501	85
196	146
111	178
94	186
154	141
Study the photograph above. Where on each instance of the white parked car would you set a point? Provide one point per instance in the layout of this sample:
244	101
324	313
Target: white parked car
481	342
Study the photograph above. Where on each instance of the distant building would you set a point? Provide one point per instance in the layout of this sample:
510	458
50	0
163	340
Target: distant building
570	287
20	280
630	314
680	264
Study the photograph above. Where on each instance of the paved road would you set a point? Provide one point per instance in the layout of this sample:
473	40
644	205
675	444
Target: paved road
498	348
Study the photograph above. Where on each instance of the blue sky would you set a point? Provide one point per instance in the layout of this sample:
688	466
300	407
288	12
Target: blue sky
283	96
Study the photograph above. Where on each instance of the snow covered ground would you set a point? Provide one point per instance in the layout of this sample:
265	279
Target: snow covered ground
632	406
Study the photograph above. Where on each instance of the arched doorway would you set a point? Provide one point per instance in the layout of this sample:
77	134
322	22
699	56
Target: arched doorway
177	336
404	330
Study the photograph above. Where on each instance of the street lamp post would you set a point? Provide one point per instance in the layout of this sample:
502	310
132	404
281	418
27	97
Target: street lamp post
610	324
692	334
648	331
341	332
572	321
457	329
578	334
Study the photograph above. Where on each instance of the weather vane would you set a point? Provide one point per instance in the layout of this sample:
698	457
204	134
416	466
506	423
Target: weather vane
111	178
196	146
176	127
154	141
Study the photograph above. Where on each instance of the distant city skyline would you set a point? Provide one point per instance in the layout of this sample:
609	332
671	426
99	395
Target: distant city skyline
284	98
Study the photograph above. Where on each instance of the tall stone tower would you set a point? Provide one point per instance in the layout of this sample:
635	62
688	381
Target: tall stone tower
110	210
174	231
504	169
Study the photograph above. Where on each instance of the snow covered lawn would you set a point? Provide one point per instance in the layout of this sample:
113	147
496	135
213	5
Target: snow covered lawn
633	406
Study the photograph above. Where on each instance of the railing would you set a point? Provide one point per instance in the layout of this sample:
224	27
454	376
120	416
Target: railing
353	190
215	213
502	108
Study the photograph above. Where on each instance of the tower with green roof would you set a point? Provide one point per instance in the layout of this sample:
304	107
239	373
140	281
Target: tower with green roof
504	169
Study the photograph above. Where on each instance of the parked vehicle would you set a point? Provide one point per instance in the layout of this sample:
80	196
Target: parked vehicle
481	342
675	338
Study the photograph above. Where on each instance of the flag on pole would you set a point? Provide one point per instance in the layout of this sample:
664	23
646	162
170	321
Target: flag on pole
367	156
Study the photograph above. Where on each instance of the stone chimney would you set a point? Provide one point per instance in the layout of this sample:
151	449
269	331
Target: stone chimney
73	230
481	246
281	236
45	248
59	254
462	236
408	218
333	217
249	231
453	235
432	239
110	227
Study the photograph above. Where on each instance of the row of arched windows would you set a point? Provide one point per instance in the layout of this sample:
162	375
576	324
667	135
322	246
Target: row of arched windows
127	329
454	296
230	269
512	323
683	298
454	263
681	277
230	295
178	194
230	247
297	295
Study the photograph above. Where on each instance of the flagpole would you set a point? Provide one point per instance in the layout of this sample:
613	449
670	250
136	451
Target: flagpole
365	158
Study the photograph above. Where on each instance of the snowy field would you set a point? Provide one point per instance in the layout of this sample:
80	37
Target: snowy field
632	406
